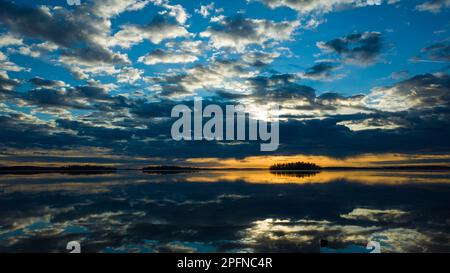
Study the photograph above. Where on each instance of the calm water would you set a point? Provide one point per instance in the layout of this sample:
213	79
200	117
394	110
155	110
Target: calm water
230	211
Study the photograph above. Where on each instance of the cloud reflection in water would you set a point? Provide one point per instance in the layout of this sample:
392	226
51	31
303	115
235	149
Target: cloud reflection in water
225	211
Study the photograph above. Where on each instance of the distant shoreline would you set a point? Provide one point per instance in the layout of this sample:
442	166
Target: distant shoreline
91	169
73	169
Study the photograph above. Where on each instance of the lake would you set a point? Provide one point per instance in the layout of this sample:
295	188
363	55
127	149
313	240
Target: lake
225	211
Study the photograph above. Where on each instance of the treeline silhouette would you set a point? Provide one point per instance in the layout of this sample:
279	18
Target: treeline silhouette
70	169
301	166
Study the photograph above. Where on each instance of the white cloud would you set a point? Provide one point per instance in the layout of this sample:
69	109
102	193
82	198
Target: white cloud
205	10
7	65
239	33
321	6
129	75
9	39
434	6
157	31
421	91
161	56
111	8
176	11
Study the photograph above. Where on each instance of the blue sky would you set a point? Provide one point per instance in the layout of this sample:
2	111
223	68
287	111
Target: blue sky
104	73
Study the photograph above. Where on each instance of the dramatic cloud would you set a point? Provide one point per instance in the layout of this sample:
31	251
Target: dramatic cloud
238	33
218	75
58	25
280	88
114	101
421	91
360	48
80	36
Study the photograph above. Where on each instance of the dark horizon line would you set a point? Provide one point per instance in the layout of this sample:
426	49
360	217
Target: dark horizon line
75	168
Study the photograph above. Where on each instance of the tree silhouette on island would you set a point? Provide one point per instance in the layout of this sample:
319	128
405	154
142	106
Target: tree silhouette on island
295	166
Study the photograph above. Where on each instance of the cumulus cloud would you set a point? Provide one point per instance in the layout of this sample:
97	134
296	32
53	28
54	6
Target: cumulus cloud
157	31
111	8
238	33
321	6
176	11
217	75
58	26
421	91
9	39
260	58
34	50
129	75
80	34
205	10
360	48
164	56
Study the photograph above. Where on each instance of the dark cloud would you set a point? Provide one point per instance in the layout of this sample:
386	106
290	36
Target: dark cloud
400	118
7	84
105	134
40	82
279	88
436	52
22	132
39	23
360	48
320	71
81	35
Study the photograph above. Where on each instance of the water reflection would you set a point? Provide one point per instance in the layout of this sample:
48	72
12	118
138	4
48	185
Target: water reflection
225	211
297	174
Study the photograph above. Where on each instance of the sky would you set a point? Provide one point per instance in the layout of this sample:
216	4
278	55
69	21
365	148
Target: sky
359	82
